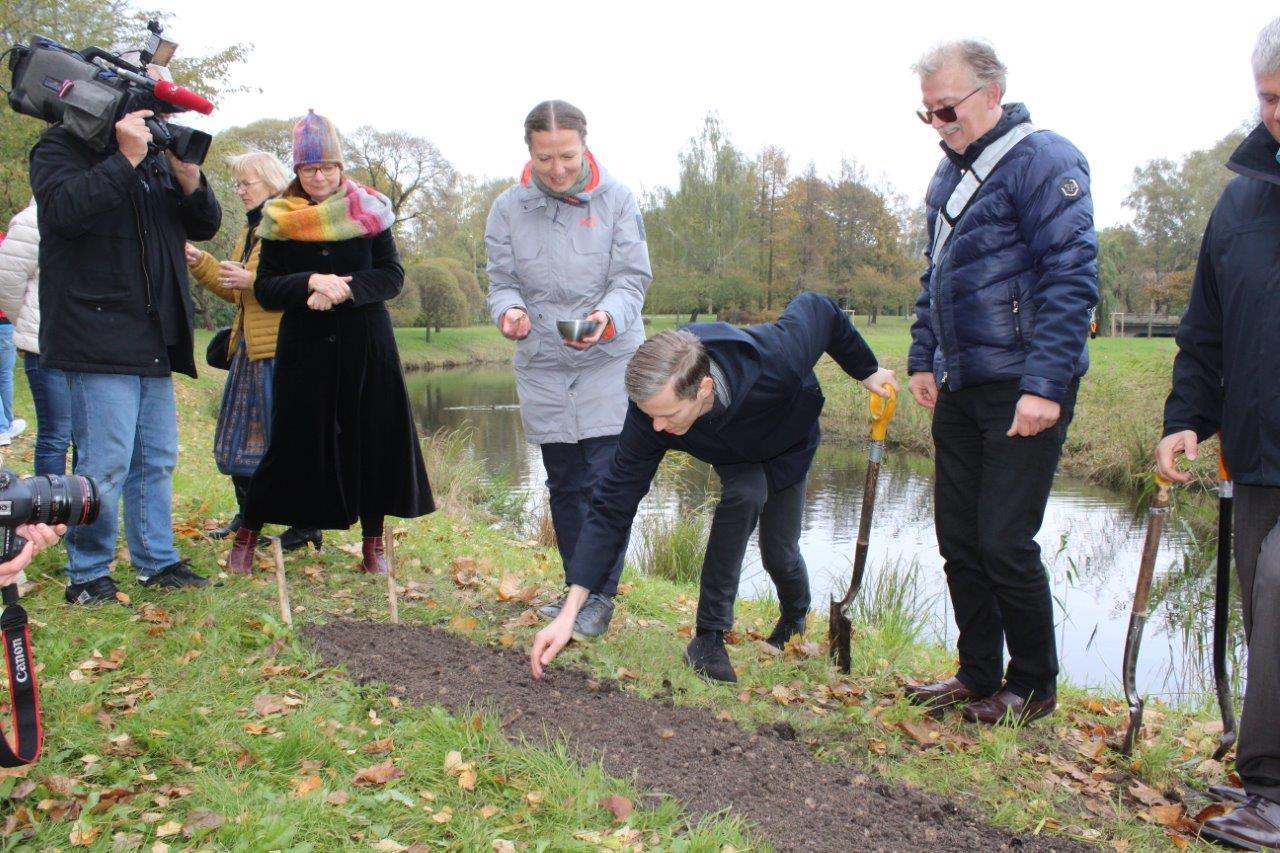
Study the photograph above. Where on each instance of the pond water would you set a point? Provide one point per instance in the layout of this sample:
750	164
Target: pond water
1091	539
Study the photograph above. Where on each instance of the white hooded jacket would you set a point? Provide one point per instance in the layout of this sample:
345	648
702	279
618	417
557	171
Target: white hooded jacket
19	279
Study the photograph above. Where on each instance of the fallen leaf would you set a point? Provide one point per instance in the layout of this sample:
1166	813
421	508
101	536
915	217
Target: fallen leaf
502	845
442	816
305	785
467	779
666	734
533	798
487	812
202	819
338	798
1210	811
623	673
264	704
84	835
388	845
783	694
378	747
378	774
463	624
620	806
172	827
1147	795
509	590
1170	815
923	733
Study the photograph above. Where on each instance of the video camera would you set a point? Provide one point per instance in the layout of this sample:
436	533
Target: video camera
90	90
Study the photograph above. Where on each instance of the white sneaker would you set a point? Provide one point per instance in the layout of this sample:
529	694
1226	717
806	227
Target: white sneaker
16	427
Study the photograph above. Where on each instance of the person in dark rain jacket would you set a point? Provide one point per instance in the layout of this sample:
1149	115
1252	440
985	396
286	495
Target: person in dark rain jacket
117	318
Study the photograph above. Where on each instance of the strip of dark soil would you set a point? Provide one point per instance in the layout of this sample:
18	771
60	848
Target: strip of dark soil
768	778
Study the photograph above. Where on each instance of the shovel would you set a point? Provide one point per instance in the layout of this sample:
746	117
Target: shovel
1221	611
840	629
1138	616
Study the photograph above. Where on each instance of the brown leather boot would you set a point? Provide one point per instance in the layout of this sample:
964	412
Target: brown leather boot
374	557
240	557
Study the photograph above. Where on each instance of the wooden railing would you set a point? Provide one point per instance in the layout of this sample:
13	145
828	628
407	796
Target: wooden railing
1144	325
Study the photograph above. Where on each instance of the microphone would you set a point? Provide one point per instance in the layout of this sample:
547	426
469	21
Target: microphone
182	97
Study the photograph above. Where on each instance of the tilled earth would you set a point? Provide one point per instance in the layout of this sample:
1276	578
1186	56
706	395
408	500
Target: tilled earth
768	778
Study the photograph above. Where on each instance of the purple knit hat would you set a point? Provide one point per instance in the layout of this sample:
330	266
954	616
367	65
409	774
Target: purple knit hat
315	140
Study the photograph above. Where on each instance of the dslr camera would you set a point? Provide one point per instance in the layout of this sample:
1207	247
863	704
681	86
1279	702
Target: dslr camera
88	91
44	499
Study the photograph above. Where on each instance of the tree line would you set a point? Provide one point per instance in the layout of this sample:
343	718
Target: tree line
735	238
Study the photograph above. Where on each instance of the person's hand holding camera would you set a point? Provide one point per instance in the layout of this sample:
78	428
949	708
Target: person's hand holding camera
187	174
39	537
133	136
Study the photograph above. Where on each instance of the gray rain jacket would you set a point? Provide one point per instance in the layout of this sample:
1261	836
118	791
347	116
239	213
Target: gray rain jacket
560	260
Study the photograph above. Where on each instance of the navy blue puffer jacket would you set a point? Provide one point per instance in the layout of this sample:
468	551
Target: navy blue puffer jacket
1011	294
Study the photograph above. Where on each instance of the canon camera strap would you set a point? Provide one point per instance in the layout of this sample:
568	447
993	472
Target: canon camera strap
23	693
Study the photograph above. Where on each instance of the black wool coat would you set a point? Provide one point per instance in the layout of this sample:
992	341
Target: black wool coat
111	261
343	440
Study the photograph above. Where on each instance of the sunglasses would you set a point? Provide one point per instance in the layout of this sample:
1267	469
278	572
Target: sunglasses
945	114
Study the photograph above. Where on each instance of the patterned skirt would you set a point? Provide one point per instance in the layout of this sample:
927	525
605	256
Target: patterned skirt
244	421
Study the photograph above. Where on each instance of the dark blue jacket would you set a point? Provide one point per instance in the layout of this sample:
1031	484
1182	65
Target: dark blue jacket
772	418
1225	373
1009	299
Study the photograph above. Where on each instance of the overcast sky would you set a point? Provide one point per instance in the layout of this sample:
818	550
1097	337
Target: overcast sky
1126	82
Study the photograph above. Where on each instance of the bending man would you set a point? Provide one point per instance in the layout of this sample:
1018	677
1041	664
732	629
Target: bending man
747	402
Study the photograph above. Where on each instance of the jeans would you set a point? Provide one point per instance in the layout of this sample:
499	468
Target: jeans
126	432
1257	547
8	355
990	493
53	415
572	473
745	501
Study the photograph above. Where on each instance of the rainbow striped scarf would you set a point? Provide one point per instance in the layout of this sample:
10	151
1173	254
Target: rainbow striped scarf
353	211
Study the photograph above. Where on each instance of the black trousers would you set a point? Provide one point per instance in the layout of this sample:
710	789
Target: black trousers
572	473
1257	549
990	492
745	501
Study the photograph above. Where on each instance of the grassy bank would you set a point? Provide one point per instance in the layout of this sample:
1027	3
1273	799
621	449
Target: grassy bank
201	721
1118	416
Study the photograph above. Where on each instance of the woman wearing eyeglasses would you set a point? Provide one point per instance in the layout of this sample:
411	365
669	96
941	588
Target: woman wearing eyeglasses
344	445
244	418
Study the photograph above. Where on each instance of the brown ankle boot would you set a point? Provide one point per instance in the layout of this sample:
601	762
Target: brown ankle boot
375	559
240	557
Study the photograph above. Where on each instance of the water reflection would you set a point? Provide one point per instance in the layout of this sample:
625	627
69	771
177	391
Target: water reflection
1091	539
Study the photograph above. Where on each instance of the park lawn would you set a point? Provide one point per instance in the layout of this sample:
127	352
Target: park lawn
201	720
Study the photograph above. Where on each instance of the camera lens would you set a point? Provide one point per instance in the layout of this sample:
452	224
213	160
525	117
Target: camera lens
63	500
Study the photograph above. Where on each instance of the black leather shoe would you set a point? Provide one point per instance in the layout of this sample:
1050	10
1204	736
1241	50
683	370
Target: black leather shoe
708	657
294	538
1228	793
1253	826
1008	707
941	694
228	529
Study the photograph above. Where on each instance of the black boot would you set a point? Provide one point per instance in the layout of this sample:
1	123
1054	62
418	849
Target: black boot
296	537
228	529
708	657
784	631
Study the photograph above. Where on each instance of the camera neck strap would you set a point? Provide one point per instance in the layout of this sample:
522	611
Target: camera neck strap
24	695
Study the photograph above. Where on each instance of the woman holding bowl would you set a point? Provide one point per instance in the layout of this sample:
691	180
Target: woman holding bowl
567	243
344	446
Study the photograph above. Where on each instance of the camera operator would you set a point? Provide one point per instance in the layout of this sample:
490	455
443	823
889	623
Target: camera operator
117	319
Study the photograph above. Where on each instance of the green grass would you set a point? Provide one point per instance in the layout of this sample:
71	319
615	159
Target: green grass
199	720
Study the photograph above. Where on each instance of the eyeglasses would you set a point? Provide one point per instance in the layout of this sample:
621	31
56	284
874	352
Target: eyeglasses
327	169
244	185
946	114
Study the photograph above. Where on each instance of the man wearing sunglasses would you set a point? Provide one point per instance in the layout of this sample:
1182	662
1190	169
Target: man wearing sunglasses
998	349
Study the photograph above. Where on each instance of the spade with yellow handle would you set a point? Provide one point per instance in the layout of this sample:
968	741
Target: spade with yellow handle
840	629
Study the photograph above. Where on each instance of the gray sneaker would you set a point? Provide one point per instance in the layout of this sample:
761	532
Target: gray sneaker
552	610
593	619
